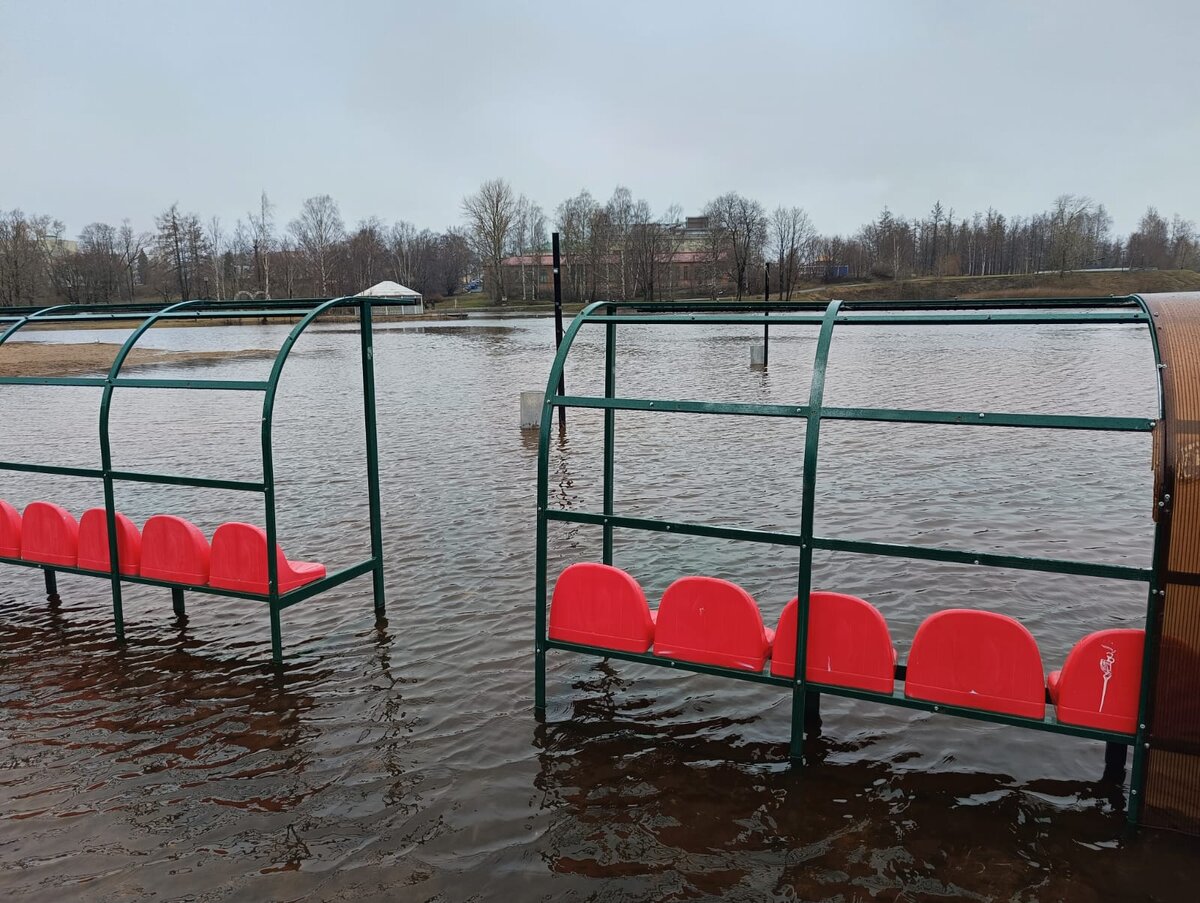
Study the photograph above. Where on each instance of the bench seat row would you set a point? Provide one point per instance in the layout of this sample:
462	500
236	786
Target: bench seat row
168	548
961	657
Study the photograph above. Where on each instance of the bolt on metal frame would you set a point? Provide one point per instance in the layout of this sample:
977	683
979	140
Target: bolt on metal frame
1128	310
307	310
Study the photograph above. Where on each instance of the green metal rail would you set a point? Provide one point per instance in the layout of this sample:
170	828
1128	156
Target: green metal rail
1129	310
147	316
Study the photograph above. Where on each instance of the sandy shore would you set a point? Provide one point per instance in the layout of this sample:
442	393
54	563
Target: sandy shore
61	359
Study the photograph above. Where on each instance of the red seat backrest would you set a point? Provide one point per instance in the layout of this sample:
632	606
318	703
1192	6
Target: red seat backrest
713	622
49	534
600	605
848	644
978	660
93	542
174	550
10	531
1100	683
239	561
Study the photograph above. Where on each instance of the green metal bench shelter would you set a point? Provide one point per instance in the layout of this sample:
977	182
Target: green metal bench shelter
146	316
1165	776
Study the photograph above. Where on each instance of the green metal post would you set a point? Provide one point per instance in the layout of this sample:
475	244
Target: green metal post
1155	605
51	582
177	602
276	633
106	468
269	473
610	428
368	378
812	441
543	501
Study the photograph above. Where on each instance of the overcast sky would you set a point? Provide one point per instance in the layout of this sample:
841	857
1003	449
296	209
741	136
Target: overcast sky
115	110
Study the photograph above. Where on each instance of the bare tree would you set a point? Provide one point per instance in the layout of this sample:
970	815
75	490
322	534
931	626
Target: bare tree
130	245
489	213
1069	230
620	211
262	241
319	231
180	245
743	224
216	250
792	235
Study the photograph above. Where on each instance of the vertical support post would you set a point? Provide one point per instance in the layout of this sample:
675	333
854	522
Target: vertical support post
272	537
610	429
766	314
543	501
812	441
110	506
558	324
276	633
1156	594
51	582
177	602
369	420
1115	757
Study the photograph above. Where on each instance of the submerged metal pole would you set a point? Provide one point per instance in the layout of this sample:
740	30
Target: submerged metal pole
767	313
558	324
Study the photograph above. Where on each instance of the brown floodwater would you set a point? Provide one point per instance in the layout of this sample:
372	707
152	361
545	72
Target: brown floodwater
402	760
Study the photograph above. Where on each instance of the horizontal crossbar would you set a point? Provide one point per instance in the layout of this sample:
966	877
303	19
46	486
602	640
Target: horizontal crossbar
134	476
888	415
287	599
1049	723
920	553
855	319
236	385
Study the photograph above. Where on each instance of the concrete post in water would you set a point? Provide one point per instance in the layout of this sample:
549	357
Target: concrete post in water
758	356
531	409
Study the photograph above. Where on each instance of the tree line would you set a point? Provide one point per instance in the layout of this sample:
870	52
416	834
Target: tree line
618	248
186	256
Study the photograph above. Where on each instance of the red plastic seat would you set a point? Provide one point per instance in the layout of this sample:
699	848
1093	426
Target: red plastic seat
600	605
848	644
10	531
713	622
239	561
977	660
174	550
1100	682
93	542
49	534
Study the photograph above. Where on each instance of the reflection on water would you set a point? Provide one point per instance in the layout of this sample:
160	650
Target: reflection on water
402	761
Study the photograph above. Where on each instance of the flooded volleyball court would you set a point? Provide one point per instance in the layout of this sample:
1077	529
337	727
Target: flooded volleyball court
403	761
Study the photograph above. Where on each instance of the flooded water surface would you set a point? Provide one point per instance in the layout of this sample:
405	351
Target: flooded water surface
402	760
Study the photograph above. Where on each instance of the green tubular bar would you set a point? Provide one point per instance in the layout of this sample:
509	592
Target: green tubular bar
1032	319
890	550
898	698
539	641
1128	310
888	415
1153	625
812	446
147	316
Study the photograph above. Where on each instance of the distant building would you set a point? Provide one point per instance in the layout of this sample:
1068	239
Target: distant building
684	267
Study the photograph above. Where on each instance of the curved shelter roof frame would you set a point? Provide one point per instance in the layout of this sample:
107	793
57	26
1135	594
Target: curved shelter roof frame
1156	706
147	316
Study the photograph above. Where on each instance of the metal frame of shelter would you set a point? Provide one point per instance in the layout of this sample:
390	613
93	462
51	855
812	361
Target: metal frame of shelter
147	316
1130	310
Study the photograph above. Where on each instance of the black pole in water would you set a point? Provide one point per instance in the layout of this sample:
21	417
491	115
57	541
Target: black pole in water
558	326
766	313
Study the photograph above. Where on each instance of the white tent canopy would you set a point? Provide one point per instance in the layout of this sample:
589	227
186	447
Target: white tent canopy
389	289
